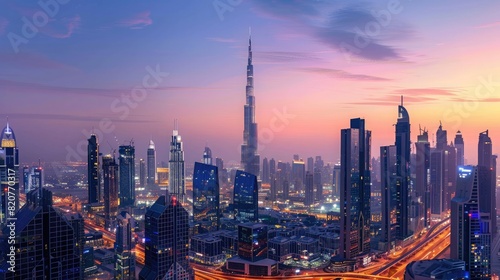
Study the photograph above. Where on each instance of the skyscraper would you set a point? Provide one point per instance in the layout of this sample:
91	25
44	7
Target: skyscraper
9	174
94	193
151	164
310	164
422	165
110	181
265	171
355	189
298	174
26	179
249	157
487	191
166	241
46	241
127	175
390	184
459	144
336	180
142	173
207	156
245	197
124	257
470	229
206	211
318	184
441	137
436	184
403	147
176	184
309	193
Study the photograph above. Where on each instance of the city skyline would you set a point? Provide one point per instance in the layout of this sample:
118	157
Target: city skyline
297	66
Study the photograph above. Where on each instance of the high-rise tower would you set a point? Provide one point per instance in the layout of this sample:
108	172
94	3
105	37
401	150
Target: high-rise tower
9	174
206	211
422	166
487	191
403	170
93	170
459	144
249	157
470	228
207	156
355	190
110	181
124	257
151	164
127	175
176	184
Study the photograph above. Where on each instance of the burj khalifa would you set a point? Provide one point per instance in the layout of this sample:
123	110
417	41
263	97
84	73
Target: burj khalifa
249	157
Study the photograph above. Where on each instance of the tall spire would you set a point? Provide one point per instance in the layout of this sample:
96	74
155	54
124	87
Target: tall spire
249	158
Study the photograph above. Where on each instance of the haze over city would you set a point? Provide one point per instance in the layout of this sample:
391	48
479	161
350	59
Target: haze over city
76	69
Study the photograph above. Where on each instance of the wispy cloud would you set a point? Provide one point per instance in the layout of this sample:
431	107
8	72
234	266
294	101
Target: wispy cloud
339	26
3	25
284	56
73	117
138	21
62	28
488	25
341	74
33	60
411	96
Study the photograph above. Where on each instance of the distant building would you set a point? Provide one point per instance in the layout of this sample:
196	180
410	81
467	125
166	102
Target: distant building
176	183
309	195
94	187
422	166
142	173
151	164
110	181
127	175
207	156
206	249
459	144
487	195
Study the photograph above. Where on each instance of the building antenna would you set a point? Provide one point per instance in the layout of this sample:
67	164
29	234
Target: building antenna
401	101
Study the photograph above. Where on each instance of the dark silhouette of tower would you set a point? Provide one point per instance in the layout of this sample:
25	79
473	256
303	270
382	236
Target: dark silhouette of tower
459	144
355	190
110	181
309	196
127	175
151	164
93	170
423	154
249	157
487	191
403	148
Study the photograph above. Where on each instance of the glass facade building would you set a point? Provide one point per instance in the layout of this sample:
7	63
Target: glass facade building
94	186
252	241
206	211
127	175
9	175
245	197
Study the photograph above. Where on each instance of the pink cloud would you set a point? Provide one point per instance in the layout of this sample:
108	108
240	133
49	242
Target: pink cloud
64	30
488	25
138	21
3	25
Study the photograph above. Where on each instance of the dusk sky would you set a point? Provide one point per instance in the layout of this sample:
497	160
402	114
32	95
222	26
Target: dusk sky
316	65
